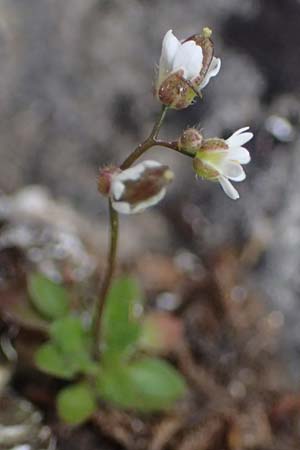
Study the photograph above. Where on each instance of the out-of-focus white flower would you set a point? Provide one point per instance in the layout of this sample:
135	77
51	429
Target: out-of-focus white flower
185	68
143	185
221	160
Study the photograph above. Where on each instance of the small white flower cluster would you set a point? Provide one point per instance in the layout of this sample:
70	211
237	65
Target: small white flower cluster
189	59
185	68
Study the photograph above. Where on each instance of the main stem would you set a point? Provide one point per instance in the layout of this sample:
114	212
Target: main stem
114	233
111	262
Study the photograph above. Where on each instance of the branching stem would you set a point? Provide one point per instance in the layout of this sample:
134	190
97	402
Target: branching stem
150	142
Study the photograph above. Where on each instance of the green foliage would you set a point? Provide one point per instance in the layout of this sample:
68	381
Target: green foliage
148	384
70	336
50	299
145	384
76	403
68	351
49	359
123	376
121	328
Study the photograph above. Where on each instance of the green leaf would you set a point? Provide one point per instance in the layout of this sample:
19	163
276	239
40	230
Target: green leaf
73	341
68	351
76	403
149	384
120	323
50	360
50	299
69	334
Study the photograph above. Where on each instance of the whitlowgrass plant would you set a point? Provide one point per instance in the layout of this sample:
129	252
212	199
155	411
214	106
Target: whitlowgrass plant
105	359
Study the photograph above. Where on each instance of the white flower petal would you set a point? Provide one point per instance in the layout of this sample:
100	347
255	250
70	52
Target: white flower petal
239	138
239	154
228	188
170	46
240	130
117	189
213	70
121	207
150	163
133	173
233	171
188	57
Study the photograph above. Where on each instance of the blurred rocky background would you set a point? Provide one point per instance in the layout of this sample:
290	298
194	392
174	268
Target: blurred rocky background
76	92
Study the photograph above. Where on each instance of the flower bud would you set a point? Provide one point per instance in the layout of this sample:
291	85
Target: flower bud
135	189
105	177
190	141
175	92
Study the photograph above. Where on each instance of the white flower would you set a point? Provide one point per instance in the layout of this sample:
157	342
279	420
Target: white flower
221	160
135	189
186	57
213	70
175	57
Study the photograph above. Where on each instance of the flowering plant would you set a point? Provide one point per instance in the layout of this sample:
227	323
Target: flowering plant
104	356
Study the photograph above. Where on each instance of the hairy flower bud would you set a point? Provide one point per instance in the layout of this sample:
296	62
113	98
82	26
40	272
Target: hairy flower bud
190	141
185	68
221	160
135	189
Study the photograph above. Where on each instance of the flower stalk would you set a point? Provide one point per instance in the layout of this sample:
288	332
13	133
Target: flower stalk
151	141
110	268
148	143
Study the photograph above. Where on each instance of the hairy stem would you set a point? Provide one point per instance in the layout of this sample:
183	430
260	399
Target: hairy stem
114	234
